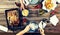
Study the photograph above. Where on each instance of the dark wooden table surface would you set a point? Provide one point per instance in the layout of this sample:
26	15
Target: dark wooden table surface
52	31
29	33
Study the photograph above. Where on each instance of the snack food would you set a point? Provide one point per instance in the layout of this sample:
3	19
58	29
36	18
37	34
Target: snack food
12	17
25	12
48	4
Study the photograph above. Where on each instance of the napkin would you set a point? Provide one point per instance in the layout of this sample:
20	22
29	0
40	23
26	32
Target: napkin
54	20
5	29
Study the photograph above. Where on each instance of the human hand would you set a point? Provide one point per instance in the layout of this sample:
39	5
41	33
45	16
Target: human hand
22	7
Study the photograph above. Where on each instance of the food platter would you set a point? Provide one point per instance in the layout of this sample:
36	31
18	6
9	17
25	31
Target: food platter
12	18
49	5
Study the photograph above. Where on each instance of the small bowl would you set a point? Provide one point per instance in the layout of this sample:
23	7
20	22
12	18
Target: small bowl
25	12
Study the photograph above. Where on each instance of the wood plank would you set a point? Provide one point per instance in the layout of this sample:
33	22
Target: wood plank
7	0
8	6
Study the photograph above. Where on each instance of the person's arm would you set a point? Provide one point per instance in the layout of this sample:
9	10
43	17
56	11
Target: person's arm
22	4
24	31
42	31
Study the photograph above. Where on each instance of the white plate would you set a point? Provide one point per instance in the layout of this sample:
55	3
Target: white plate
54	3
58	1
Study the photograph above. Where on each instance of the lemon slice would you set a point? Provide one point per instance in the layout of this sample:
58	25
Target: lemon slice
25	12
